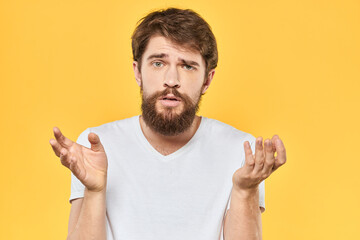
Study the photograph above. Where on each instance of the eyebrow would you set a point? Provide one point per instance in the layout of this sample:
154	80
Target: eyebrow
156	55
164	55
190	63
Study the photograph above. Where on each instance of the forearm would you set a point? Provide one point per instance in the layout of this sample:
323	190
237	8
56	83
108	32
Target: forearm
243	220
91	222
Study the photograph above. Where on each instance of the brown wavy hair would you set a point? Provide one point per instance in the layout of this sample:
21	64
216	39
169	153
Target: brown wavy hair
181	26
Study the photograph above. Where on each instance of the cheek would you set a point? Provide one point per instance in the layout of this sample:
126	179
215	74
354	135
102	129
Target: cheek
151	80
192	86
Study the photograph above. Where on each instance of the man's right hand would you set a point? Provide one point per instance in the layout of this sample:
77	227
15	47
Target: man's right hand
89	165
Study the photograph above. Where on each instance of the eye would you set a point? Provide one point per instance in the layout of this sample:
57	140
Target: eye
188	67
157	64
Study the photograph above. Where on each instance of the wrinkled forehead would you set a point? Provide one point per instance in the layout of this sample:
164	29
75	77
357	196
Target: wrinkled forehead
158	45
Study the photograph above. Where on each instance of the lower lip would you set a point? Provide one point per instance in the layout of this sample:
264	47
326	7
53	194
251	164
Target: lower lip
170	103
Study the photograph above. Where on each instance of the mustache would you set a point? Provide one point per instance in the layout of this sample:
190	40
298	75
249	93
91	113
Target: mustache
170	91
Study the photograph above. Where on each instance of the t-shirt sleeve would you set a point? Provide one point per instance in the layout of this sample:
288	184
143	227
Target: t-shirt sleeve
77	188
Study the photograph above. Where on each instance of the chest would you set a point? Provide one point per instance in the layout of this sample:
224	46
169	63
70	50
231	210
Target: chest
181	198
166	150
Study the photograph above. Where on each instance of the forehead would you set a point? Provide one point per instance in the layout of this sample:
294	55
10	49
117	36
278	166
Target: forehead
161	45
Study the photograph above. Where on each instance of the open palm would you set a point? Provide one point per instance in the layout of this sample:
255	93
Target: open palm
260	165
89	165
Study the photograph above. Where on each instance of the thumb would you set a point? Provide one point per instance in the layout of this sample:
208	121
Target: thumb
95	142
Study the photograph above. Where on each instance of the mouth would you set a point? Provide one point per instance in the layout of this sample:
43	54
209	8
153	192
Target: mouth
170	98
170	101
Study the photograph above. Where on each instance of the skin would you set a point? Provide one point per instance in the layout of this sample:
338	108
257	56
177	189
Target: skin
89	165
260	165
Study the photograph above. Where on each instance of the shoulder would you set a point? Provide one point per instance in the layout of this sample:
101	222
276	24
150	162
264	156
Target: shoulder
117	125
108	129
225	131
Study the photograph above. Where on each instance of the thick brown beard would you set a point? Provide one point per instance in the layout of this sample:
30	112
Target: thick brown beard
169	123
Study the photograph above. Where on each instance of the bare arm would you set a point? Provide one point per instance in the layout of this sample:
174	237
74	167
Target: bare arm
89	165
243	220
91	223
76	205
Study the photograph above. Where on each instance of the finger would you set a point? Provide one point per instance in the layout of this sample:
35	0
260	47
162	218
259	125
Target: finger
63	141
74	167
259	155
55	146
273	142
95	142
64	157
269	158
249	158
281	154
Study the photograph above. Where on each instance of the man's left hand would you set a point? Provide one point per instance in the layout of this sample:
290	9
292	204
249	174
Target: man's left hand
260	165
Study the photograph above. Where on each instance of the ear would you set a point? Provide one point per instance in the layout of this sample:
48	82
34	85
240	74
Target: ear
137	73
208	80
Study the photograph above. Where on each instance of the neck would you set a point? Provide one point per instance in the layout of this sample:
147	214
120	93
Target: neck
162	140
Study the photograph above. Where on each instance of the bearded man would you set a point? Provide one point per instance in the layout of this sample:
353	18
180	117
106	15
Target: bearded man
168	174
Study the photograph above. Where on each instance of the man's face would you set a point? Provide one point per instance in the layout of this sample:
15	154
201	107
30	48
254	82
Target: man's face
171	84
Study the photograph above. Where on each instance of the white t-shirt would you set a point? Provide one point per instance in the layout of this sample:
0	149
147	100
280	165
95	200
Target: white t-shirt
183	195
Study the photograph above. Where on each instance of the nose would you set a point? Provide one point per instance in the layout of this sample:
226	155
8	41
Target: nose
172	78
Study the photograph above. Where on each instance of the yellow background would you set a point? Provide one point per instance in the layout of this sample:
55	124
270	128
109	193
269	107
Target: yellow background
285	67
